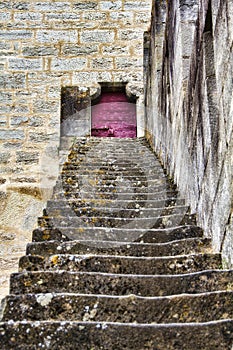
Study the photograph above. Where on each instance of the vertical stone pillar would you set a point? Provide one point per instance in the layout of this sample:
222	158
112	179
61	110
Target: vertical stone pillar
75	111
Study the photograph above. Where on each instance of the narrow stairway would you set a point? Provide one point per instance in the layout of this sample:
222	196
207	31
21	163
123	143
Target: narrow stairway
117	263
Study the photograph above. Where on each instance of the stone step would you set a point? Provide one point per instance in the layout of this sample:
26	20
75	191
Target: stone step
121	264
179	247
113	212
120	284
70	176
139	196
116	336
126	309
137	162
131	204
102	185
120	164
139	235
109	167
162	220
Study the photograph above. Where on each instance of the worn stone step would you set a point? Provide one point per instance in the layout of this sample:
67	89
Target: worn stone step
139	162
131	204
116	336
125	162
120	284
113	179
98	186
113	212
123	264
179	247
140	196
115	187
113	169
183	308
139	235
131	223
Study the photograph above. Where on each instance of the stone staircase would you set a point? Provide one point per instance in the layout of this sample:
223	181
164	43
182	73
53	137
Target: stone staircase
117	262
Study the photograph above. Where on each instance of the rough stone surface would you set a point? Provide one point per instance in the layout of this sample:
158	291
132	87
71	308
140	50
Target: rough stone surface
46	46
189	107
161	288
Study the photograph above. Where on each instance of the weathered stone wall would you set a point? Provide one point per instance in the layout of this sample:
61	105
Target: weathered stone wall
44	46
190	107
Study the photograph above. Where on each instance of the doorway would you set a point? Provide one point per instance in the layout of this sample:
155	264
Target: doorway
113	113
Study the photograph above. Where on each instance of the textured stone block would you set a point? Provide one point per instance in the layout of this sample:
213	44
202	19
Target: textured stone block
36	121
51	36
5	16
18	120
4	157
5	97
94	16
65	16
5	46
5	5
189	10
76	50
88	77
139	5
15	34
102	63
102	36
3	120
27	157
129	34
121	16
25	64
28	16
47	6
12	81
41	137
11	134
41	106
125	62
69	64
116	50
32	51
110	5
85	5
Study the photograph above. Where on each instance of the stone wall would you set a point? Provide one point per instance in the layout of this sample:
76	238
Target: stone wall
45	46
190	107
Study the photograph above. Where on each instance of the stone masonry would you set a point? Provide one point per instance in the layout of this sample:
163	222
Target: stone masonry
47	45
190	107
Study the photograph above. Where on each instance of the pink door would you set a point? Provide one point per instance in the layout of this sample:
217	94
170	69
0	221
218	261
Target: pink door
114	116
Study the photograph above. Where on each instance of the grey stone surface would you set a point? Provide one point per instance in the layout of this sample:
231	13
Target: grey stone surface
189	115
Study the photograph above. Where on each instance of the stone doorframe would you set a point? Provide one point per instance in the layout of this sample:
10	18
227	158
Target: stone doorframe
76	107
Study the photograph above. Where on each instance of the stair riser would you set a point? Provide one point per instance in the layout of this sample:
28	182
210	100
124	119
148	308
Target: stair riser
160	195
116	336
114	212
111	222
179	309
129	204
143	236
122	265
107	284
191	246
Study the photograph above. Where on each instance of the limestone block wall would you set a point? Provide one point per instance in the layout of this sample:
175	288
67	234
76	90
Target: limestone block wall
190	107
45	46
